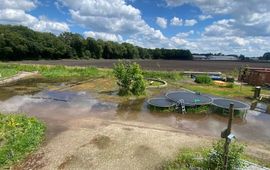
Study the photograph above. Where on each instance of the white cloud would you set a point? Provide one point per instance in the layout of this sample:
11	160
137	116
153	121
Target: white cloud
21	4
114	18
15	13
252	16
204	17
103	36
176	21
217	6
184	34
162	22
46	25
190	22
105	15
222	27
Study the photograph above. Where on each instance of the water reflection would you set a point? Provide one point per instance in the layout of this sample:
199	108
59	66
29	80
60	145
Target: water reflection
57	107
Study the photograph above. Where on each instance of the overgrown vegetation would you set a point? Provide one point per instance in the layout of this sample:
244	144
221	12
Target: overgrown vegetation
203	79
7	70
198	109
21	43
19	135
129	79
209	159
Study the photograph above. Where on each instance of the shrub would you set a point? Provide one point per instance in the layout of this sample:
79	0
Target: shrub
230	85
129	79
204	79
215	157
209	159
230	79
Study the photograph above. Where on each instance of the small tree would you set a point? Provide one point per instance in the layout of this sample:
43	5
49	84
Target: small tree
129	79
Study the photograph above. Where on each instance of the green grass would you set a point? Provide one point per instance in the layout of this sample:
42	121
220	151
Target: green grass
186	159
52	71
235	91
207	158
5	73
19	136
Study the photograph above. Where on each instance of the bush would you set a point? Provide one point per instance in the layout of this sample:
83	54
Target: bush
129	79
230	85
204	79
215	157
208	159
230	79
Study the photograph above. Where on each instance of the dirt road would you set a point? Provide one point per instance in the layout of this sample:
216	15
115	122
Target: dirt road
223	66
98	144
102	144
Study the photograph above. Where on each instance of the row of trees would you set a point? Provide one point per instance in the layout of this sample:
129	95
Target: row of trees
20	43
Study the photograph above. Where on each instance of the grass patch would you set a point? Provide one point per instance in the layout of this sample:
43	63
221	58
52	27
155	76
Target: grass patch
53	71
235	91
5	73
19	136
208	158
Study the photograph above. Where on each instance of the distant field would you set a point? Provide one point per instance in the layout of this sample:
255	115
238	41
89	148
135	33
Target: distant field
223	66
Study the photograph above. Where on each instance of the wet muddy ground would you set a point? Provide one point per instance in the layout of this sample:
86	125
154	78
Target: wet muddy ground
56	107
90	127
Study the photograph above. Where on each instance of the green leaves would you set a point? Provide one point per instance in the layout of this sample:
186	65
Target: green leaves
129	79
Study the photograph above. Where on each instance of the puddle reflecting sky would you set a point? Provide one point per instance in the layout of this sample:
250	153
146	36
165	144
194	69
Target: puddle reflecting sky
61	106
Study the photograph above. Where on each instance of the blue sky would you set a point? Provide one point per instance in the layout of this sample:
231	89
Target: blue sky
227	26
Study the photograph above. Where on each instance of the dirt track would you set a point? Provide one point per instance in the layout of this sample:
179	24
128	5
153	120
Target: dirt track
223	66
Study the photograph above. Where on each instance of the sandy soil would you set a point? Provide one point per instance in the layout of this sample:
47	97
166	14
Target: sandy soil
180	65
101	144
17	77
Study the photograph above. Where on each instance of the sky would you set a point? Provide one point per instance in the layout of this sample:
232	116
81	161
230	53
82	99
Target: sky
202	26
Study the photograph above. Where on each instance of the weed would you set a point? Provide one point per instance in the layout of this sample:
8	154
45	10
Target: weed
19	135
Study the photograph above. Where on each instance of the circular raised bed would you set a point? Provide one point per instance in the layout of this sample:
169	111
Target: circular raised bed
225	103
189	98
161	82
161	102
221	106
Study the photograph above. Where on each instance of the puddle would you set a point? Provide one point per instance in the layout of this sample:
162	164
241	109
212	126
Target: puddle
58	107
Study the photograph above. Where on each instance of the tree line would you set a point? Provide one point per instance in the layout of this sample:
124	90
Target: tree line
22	43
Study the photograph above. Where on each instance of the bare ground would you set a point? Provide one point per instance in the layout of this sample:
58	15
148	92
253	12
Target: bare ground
179	65
101	144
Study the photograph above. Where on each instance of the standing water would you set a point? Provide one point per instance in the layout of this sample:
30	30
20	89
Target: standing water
58	107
